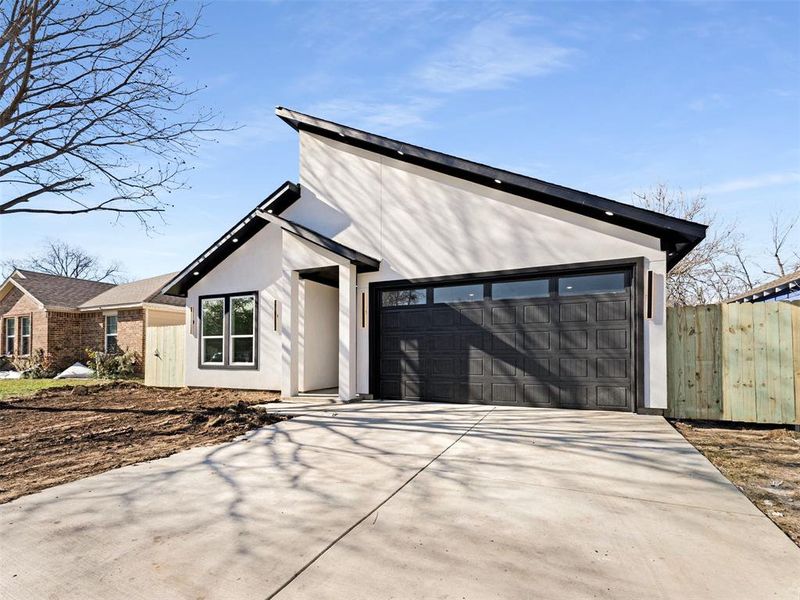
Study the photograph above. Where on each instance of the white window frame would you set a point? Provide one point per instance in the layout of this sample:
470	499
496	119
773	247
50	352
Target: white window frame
107	335
204	337
23	336
251	335
7	337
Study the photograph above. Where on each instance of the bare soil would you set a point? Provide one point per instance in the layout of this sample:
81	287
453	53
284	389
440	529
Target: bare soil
763	463
64	434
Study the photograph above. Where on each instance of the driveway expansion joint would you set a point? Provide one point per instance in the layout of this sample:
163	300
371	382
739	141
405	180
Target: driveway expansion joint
374	511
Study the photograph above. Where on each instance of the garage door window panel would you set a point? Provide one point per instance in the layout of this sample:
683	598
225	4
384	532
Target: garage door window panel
408	297
600	283
458	293
529	288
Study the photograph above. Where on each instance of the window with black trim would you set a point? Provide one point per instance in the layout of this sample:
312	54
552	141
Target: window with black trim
243	329
212	331
9	334
111	334
24	336
228	326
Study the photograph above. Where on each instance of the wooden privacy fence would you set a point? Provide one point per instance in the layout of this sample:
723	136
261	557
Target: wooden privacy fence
734	362
165	356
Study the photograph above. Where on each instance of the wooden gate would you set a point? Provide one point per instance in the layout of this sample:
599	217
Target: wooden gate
165	356
734	362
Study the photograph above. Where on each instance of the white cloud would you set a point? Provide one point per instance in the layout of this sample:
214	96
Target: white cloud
254	127
492	55
378	116
750	183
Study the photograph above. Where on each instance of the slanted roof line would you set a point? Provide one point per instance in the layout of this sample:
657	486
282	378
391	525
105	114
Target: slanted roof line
283	197
10	280
770	288
362	261
677	235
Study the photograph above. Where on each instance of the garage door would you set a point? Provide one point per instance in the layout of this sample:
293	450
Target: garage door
557	341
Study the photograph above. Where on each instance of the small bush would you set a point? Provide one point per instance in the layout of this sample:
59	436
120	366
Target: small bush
118	365
39	365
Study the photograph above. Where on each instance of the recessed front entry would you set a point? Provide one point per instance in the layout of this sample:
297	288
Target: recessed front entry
555	340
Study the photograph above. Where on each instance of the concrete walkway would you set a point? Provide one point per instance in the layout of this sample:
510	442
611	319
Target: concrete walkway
400	500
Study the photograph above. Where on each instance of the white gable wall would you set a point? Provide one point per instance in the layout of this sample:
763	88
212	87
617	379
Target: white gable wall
420	223
256	266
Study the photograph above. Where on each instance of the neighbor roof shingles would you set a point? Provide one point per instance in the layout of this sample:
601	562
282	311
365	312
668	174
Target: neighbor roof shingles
58	291
136	292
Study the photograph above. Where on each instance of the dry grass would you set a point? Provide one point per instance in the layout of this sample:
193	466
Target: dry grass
763	463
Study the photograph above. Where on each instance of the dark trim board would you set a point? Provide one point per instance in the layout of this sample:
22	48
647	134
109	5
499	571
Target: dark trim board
634	265
678	236
364	263
277	202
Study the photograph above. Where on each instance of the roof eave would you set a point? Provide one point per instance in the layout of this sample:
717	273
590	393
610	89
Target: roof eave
678	235
283	197
363	262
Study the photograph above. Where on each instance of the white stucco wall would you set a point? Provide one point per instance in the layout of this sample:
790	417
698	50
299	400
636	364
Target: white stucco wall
256	266
319	336
419	224
424	224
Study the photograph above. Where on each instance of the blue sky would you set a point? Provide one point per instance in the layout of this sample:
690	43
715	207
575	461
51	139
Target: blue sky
609	98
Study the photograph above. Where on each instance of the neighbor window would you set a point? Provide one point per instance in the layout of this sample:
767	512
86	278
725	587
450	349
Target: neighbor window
24	336
212	331
531	288
111	334
404	297
243	329
10	334
458	293
602	283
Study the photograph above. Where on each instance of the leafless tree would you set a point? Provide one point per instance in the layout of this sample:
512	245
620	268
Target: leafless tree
715	269
785	255
92	116
719	268
60	258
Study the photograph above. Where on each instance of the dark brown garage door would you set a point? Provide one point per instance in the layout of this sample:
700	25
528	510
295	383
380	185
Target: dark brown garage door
559	341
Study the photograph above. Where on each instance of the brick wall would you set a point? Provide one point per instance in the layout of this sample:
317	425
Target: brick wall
64	340
130	331
66	335
17	304
92	328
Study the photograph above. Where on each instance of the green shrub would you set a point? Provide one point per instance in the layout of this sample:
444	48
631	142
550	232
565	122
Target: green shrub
39	365
116	365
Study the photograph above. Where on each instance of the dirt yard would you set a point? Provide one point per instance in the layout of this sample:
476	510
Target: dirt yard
763	463
59	435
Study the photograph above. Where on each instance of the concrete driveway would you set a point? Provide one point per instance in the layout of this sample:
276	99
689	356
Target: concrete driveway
401	500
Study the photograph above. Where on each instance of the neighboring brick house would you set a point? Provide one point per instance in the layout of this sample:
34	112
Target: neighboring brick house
64	316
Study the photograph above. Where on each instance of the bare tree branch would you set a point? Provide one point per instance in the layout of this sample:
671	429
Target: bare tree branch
89	103
782	229
718	267
60	258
